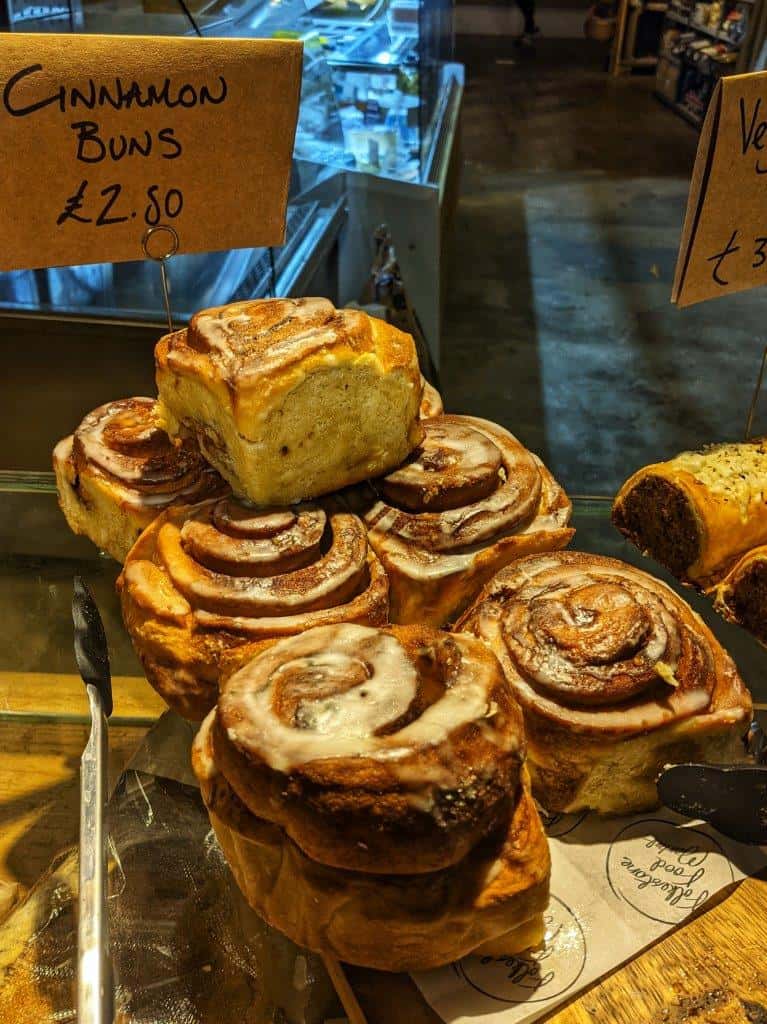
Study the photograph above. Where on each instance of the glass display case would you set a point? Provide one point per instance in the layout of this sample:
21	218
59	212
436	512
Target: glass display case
378	113
388	60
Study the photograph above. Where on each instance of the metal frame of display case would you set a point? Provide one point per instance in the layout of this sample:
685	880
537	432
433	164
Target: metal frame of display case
418	215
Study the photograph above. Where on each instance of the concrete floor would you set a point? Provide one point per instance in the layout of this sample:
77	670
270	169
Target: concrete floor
558	322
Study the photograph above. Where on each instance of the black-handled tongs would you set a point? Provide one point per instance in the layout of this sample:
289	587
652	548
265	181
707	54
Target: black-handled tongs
732	797
95	994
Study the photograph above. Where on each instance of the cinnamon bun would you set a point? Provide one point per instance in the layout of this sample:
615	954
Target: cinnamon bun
616	677
119	471
368	789
699	512
291	398
469	500
202	581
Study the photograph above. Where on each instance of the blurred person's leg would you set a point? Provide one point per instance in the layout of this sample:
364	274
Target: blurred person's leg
527	7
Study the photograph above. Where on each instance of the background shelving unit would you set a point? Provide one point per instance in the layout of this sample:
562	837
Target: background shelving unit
638	26
701	43
691	45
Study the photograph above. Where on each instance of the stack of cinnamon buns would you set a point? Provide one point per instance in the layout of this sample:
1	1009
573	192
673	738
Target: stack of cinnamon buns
367	604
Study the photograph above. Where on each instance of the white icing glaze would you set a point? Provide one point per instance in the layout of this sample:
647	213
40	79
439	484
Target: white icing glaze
344	722
204	764
431	400
90	434
466	451
548	575
283	593
493	871
214	326
510	508
261	542
629	633
138	481
259	325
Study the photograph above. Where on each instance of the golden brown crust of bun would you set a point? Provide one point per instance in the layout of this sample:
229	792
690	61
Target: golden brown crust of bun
291	398
741	596
119	471
469	500
616	677
204	580
698	512
387	922
379	750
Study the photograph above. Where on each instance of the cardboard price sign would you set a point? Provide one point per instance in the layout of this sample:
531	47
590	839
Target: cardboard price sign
103	137
724	240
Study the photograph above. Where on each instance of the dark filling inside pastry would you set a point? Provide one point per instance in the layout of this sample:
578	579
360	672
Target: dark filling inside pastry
656	516
748	601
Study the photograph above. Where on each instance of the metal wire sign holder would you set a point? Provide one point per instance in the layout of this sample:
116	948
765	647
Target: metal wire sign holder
755	397
162	258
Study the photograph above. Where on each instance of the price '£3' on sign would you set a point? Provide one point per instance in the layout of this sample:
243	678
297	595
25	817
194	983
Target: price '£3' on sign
724	239
103	137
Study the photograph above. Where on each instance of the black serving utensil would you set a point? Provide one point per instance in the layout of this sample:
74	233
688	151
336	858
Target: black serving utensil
732	797
95	996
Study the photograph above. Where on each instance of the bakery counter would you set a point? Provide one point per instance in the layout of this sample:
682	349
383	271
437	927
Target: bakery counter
707	970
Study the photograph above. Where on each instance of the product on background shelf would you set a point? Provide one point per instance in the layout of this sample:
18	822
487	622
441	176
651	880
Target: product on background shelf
697	513
667	78
736	22
119	471
431	401
368	789
741	596
616	676
204	580
469	500
291	398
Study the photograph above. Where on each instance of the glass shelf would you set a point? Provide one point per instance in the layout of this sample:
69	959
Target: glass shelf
39	556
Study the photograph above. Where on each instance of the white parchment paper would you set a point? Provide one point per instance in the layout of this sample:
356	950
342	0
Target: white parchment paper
617	884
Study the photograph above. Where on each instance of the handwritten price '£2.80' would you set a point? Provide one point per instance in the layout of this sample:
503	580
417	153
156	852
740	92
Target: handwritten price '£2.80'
103	208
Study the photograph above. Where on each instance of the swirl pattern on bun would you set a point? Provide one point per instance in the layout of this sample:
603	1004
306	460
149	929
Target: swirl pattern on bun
409	739
119	471
616	677
205	580
469	500
370	783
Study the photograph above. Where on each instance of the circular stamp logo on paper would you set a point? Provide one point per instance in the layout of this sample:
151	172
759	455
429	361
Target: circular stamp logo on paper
559	825
535	976
665	872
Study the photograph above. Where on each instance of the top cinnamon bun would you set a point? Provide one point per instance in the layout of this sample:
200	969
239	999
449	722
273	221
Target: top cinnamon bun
291	398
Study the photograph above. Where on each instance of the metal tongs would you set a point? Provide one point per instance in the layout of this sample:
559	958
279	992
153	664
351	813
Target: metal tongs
95	990
732	797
